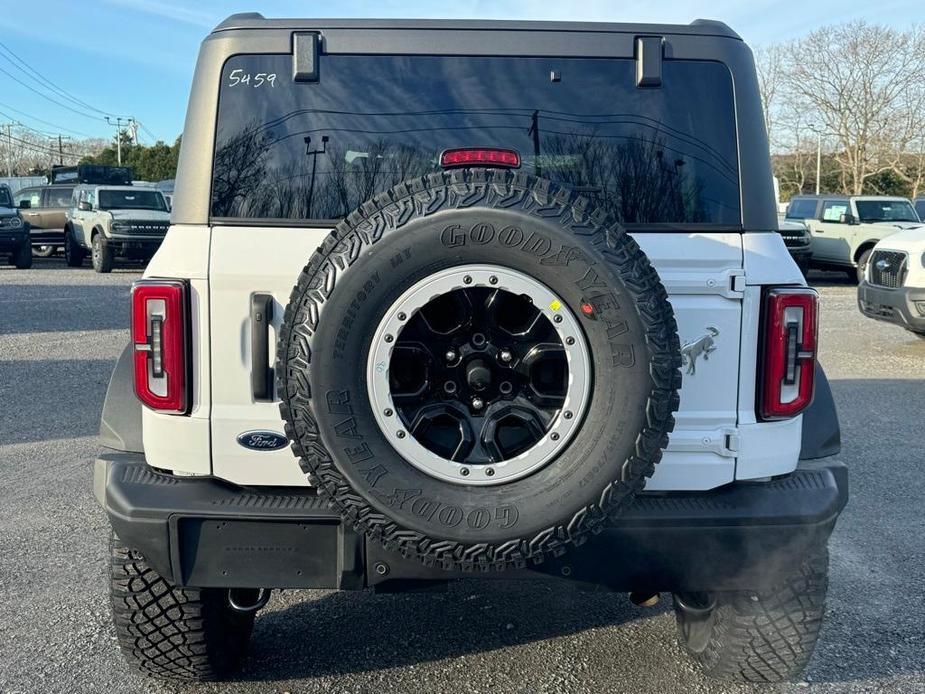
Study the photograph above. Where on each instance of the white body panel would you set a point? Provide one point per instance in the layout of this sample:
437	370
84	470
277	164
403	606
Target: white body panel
182	444
709	277
246	261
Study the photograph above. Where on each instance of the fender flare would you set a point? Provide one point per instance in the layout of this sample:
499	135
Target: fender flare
120	423
821	432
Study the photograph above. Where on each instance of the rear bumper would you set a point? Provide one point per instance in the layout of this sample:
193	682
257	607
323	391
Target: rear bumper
896	306
203	532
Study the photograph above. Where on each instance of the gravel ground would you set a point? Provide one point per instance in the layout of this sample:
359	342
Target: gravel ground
62	329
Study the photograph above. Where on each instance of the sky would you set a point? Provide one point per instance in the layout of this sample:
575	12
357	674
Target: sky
136	57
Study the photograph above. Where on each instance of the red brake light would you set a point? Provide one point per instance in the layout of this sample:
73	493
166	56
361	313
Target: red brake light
159	340
470	156
789	367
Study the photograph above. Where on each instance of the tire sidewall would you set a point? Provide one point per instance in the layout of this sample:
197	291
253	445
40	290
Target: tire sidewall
575	271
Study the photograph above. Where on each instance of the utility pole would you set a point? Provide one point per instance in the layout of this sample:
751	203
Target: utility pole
818	155
118	123
535	131
9	145
61	139
313	153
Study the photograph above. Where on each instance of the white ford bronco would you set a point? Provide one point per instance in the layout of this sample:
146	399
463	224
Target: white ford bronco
114	221
845	229
451	298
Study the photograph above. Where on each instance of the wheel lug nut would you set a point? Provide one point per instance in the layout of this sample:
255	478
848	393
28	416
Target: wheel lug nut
450	355
489	472
568	414
388	412
493	280
449	387
506	356
400	434
554	436
464	472
570	340
467	280
389	338
506	388
402	316
477	403
557	319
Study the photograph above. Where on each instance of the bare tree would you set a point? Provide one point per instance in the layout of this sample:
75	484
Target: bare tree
770	62
867	85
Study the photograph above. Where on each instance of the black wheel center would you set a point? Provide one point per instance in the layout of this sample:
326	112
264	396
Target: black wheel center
478	375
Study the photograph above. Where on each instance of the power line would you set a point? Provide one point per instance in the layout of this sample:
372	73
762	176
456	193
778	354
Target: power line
48	98
39	120
35	74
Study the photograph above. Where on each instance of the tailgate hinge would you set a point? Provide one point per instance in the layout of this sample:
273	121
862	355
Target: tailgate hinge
730	447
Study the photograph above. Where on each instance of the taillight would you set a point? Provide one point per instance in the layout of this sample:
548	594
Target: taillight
479	156
788	374
159	340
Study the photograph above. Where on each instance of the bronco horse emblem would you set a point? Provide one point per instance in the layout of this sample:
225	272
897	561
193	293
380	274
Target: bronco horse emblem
702	346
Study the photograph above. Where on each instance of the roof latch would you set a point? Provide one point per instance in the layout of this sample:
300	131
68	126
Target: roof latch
305	56
649	61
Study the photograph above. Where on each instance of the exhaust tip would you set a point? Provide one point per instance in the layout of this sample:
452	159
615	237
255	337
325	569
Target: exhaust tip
643	598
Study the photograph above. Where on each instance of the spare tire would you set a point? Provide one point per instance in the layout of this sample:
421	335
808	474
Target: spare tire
478	368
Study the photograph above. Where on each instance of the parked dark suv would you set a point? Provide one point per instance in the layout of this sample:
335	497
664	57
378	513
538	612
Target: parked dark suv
46	214
14	232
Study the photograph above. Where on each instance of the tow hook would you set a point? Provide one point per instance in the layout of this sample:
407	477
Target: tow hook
643	598
244	601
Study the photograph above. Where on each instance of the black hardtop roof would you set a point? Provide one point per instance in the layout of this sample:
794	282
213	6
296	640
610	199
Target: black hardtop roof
255	20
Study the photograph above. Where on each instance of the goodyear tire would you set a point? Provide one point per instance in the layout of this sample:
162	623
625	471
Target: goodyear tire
532	481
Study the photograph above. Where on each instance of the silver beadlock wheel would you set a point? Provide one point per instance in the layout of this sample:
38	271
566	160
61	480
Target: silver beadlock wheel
479	375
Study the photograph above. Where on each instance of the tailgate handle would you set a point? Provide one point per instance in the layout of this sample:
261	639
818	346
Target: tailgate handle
261	371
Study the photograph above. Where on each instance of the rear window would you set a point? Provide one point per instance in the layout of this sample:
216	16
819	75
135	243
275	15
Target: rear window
802	209
315	151
920	209
59	197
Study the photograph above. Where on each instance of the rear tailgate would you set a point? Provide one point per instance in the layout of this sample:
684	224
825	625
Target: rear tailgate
702	272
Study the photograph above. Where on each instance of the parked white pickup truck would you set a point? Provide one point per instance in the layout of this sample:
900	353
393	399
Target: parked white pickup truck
893	288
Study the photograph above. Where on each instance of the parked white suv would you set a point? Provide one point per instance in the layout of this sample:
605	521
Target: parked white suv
420	317
845	229
111	222
893	288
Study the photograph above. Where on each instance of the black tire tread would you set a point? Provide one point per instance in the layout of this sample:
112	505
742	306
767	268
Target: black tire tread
23	258
386	214
169	632
767	636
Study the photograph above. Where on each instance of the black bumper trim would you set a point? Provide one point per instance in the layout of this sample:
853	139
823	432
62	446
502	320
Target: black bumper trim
205	532
892	305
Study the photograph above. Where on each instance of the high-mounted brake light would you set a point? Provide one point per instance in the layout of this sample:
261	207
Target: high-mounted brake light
788	372
159	341
473	156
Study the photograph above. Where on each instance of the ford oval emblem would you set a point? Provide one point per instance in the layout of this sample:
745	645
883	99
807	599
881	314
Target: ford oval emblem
262	440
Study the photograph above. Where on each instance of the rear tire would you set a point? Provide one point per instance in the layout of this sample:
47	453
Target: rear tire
101	254
757	636
23	257
43	251
73	253
170	632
